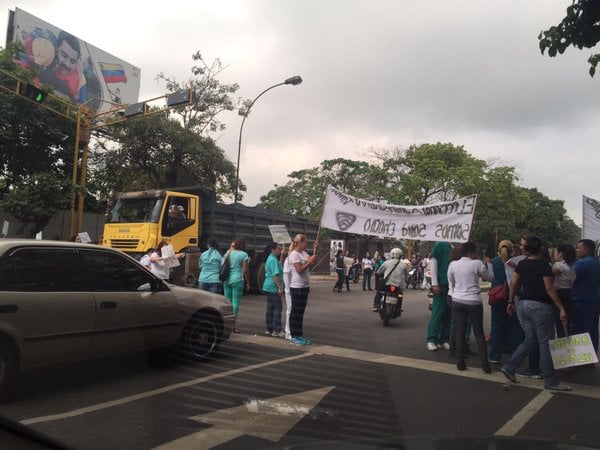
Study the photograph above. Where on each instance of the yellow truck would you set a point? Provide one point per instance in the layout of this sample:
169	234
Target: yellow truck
186	217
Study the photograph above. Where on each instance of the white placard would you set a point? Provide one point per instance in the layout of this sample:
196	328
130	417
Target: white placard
448	221
280	234
575	350
168	256
85	237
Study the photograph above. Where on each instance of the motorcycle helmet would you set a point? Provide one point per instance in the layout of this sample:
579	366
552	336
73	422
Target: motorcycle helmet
396	253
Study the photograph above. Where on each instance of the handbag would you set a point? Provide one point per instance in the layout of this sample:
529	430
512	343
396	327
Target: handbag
497	294
225	269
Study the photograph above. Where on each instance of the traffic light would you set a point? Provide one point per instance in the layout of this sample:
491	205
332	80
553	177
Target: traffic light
32	92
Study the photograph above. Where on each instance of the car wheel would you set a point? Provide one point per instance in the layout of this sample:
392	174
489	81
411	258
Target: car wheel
8	368
201	336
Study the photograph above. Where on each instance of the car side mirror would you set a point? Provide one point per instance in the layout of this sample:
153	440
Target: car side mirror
146	287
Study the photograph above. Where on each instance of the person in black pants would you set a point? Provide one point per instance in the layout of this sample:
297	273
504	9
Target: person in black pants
339	270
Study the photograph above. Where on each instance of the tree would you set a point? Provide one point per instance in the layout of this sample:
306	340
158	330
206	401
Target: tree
303	194
173	148
430	173
33	140
579	28
157	152
547	219
35	199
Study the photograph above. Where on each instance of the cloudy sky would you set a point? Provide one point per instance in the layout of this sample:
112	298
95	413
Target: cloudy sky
377	73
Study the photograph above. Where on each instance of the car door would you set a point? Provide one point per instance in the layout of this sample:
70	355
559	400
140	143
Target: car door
45	300
134	309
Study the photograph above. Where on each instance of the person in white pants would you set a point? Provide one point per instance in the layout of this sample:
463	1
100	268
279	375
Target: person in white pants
287	279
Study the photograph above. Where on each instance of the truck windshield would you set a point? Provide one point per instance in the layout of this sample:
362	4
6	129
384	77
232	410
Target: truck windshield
127	210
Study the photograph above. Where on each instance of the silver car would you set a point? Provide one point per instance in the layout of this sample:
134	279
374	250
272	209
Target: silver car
65	301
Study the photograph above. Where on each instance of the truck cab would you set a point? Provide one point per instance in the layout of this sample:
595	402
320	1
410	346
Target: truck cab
138	221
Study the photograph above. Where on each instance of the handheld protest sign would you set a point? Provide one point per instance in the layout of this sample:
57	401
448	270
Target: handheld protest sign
571	351
280	234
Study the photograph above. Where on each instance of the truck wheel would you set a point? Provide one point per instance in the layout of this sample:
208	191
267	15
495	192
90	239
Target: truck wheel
260	276
8	368
201	336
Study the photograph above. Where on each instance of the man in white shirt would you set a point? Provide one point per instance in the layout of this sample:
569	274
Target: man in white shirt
464	276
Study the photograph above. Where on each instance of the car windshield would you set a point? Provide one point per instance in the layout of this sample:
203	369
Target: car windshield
126	210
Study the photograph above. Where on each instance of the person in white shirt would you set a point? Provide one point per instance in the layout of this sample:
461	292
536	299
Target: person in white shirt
299	262
464	276
367	269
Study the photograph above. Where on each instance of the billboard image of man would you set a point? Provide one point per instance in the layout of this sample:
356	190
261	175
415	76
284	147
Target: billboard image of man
66	73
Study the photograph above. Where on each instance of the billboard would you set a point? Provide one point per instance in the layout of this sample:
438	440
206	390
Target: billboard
75	69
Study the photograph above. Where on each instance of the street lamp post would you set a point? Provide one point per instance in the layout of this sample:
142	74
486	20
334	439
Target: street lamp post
294	81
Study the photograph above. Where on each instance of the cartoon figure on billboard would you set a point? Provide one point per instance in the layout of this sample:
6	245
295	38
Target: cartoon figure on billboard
40	48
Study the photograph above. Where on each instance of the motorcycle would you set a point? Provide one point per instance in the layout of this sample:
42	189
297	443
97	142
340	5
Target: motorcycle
413	278
390	305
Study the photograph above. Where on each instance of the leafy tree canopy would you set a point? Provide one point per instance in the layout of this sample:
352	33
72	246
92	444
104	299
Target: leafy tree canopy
430	173
580	28
173	148
35	199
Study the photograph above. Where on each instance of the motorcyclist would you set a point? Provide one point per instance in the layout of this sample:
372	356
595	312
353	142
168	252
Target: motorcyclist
397	270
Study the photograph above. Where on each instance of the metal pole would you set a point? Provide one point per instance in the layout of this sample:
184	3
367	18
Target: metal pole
237	170
293	81
74	176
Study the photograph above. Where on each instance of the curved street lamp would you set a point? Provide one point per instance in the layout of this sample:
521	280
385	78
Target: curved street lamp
294	81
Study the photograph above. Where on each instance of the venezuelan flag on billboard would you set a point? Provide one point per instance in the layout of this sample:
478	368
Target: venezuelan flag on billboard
113	73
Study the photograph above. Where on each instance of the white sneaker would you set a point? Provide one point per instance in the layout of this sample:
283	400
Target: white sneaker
279	334
431	347
446	346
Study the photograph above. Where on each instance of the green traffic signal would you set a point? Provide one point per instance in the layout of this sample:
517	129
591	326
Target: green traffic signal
33	93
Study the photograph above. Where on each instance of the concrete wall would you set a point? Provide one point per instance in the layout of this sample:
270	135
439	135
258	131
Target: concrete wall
58	228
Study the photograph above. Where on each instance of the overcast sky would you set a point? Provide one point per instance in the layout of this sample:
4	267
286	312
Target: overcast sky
376	74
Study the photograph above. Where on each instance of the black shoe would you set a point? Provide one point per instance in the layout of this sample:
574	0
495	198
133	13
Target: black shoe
461	365
510	376
487	368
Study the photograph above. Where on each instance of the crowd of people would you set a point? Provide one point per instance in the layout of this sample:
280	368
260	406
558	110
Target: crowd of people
545	296
544	299
286	278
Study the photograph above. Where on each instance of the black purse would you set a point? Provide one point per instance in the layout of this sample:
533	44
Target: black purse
225	269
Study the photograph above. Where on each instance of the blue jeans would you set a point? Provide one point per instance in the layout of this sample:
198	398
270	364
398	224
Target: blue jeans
505	330
217	287
537	321
273	316
340	279
367	279
586	320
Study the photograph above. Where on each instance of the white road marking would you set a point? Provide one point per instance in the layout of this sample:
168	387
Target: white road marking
421	364
519	420
162	390
269	419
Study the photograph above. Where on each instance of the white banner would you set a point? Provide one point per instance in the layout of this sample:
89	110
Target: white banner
591	219
448	221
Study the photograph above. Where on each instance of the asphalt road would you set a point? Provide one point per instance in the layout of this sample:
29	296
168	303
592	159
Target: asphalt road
358	380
